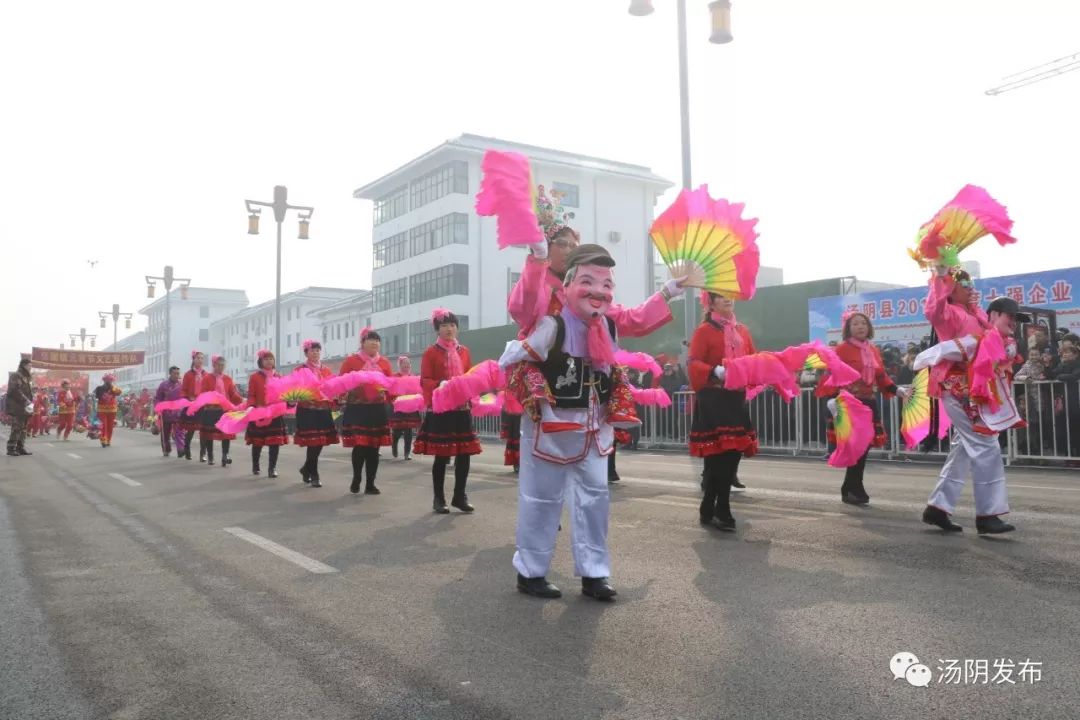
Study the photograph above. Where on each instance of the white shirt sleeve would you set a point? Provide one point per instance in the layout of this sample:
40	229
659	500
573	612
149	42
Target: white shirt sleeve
533	348
962	348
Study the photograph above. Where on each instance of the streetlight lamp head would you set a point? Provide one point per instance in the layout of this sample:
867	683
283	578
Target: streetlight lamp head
149	291
721	22
127	324
183	292
641	8
253	223
304	225
92	340
102	322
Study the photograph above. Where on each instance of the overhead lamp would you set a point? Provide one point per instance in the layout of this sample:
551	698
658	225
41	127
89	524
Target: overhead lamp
253	223
721	22
640	8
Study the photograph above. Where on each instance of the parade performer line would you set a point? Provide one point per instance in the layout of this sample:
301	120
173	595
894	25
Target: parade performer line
309	564
125	479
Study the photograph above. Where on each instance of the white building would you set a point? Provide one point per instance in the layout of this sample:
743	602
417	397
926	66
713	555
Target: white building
238	336
431	249
341	324
191	312
128	378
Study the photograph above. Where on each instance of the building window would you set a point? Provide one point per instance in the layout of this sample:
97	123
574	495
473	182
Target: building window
440	282
394	204
297	339
391	250
422	334
393	339
453	177
204	311
288	341
568	194
324	333
204	335
446	230
392	294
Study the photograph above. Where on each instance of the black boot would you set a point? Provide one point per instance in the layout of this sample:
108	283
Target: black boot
992	525
271	472
315	479
598	588
305	475
354	486
439	506
936	516
461	502
256	456
537	587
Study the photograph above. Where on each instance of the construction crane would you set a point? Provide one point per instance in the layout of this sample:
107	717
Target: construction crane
1037	74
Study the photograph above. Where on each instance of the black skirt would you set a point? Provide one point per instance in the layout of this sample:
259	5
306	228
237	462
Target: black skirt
365	425
721	423
272	434
511	433
405	421
315	427
209	415
447	434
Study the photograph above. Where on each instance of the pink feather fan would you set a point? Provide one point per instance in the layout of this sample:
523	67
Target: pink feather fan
506	191
484	377
640	361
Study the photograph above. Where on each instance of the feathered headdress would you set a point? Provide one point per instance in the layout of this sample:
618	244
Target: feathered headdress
550	213
440	313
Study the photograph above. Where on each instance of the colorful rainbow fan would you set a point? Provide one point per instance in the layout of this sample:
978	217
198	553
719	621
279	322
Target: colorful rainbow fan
853	423
915	413
487	405
299	386
966	218
709	242
813	362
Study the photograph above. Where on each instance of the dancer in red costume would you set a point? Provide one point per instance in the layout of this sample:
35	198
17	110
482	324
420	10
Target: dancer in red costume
190	388
273	435
66	402
365	427
217	381
106	395
403	424
314	419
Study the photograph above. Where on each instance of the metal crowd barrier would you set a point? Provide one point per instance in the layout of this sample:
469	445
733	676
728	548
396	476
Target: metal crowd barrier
1052	437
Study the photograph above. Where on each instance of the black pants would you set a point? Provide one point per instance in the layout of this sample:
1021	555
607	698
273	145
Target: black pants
362	456
187	443
406	433
210	449
461	476
611	471
853	478
720	471
256	455
311	464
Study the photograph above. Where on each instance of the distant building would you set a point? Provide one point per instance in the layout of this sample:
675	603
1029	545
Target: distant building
128	377
341	324
430	249
189	327
239	335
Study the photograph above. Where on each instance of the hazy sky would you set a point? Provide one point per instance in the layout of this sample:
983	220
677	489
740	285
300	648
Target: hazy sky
132	131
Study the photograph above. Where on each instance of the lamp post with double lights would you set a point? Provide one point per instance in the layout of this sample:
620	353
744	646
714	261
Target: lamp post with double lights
280	206
82	337
167	278
115	314
720	10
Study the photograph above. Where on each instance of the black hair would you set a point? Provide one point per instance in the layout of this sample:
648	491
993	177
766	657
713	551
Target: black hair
174	368
193	359
371	335
259	360
447	319
846	334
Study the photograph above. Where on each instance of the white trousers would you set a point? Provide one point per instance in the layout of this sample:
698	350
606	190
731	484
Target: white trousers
542	486
978	454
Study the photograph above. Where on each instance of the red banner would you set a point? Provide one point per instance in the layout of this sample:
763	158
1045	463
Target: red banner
84	359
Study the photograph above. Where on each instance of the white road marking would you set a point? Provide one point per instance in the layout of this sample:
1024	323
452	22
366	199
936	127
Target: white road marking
125	479
74	456
49	445
281	551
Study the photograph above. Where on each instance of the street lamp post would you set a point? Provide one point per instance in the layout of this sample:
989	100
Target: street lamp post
115	314
720	11
82	337
280	206
167	278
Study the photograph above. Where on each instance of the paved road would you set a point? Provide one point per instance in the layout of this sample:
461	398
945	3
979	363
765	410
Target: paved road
134	586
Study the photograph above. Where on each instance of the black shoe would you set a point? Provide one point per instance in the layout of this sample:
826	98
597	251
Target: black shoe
315	480
202	457
517	469
705	519
727	524
598	588
936	516
613	478
187	454
738	485
462	504
354	486
854	498
166	453
12	453
305	475
272	472
255	468
992	525
439	506
393	452
537	587
370	489
225	460
23	451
